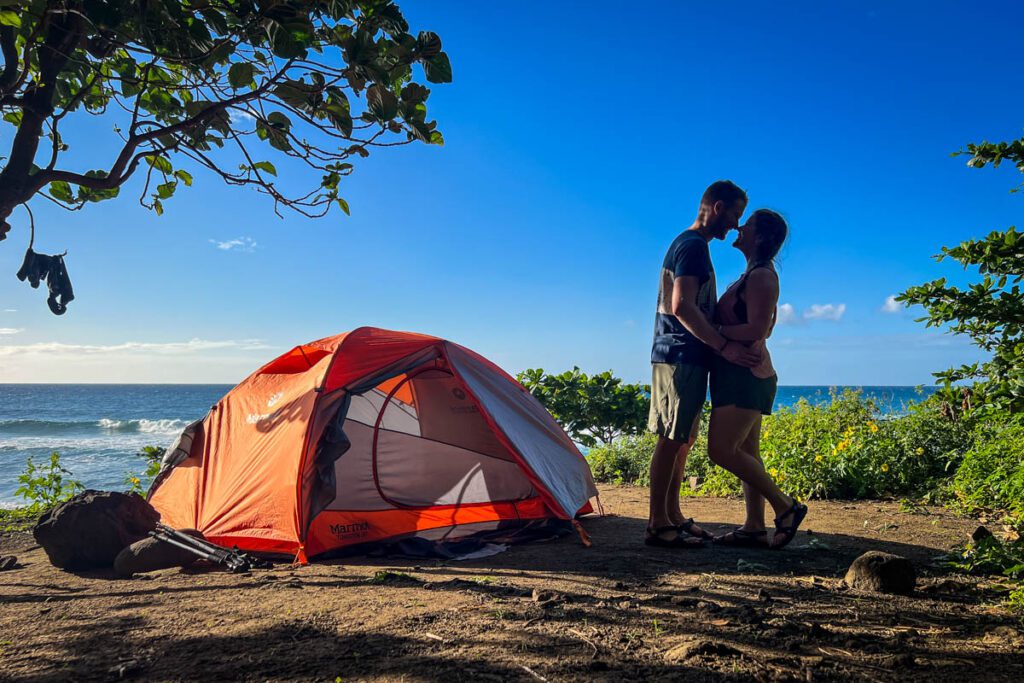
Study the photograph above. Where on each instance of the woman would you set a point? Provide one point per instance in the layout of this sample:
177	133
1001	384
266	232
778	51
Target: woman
740	396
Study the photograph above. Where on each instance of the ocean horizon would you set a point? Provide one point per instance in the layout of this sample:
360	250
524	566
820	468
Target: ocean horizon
99	429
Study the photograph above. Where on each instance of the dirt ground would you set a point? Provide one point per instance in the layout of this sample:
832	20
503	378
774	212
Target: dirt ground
554	611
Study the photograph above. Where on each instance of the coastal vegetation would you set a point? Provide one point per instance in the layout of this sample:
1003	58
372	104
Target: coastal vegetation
234	88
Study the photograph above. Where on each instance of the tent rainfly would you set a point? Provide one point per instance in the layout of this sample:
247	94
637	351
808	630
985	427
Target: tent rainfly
371	436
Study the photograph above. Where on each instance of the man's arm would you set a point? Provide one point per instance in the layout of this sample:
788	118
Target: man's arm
762	295
684	307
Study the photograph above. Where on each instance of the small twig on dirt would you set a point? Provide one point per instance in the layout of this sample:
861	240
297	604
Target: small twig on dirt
585	640
533	673
831	652
531	622
434	636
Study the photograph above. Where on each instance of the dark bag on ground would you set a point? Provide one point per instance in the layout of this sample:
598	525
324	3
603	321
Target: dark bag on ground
88	531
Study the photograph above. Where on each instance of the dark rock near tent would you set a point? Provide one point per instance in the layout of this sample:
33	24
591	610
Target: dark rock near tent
88	531
150	555
880	572
8	562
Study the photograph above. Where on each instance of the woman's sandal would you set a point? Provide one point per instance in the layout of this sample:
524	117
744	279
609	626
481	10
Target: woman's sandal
797	511
741	538
687	527
655	540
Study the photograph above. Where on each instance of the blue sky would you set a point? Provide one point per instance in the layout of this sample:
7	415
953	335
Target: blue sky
579	139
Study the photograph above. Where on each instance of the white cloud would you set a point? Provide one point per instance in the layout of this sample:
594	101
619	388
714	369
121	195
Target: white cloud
51	349
787	315
246	244
10	330
891	305
239	116
10	310
825	312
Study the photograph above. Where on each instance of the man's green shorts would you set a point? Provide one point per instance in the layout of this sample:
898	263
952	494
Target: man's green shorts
677	398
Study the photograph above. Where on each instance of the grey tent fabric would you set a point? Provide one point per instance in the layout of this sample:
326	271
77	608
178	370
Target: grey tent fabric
544	447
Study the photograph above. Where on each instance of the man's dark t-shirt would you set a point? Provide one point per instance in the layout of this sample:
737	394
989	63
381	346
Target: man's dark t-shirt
673	343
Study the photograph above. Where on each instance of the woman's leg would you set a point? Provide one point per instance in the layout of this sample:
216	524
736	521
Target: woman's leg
753	500
729	429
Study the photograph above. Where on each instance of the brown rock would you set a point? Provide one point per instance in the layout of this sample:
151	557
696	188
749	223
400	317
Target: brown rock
149	555
880	572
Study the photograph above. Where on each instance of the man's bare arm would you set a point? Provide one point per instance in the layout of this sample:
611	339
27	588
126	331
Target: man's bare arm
684	307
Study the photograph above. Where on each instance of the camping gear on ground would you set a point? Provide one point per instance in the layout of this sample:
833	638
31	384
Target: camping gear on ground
234	560
151	554
372	437
88	531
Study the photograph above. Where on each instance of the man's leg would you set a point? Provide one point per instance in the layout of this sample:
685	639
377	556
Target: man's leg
675	513
663	466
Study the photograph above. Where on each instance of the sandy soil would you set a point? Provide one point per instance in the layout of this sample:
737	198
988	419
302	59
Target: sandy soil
554	611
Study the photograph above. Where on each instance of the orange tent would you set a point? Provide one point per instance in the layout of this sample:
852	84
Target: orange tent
370	436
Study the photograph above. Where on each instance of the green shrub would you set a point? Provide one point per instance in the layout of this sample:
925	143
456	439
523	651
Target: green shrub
138	482
45	486
991	474
841	448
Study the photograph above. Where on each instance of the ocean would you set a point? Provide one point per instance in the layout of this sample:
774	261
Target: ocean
99	428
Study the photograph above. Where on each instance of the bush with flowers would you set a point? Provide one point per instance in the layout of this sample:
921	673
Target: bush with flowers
845	448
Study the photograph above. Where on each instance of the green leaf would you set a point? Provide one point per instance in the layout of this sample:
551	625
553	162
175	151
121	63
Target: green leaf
241	74
382	103
185	177
165	190
266	167
158	207
9	17
438	69
160	163
344	205
61	190
428	44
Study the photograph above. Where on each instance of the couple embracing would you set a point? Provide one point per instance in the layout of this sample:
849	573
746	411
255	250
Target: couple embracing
701	339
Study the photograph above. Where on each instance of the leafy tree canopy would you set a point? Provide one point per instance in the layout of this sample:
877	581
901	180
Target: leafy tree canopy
991	310
224	85
592	409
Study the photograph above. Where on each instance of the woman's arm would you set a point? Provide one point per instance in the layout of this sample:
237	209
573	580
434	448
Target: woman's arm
762	294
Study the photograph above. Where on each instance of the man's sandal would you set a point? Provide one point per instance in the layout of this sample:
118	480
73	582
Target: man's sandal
654	539
741	538
687	527
797	511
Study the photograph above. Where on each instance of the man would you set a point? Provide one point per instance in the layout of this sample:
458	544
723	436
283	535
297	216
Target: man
684	341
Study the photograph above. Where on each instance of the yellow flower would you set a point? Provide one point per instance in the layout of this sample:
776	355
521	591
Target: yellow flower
873	427
818	458
842	445
920	451
774	472
885	467
134	480
835	450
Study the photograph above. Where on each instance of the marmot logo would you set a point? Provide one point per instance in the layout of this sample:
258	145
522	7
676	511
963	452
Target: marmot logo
459	394
353	529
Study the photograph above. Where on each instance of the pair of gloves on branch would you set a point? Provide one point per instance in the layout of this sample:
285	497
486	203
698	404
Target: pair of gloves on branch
39	267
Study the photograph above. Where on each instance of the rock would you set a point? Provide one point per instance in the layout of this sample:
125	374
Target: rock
880	572
696	648
980	533
149	555
8	562
88	531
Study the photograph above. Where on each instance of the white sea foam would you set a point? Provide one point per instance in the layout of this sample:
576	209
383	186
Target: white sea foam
167	427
